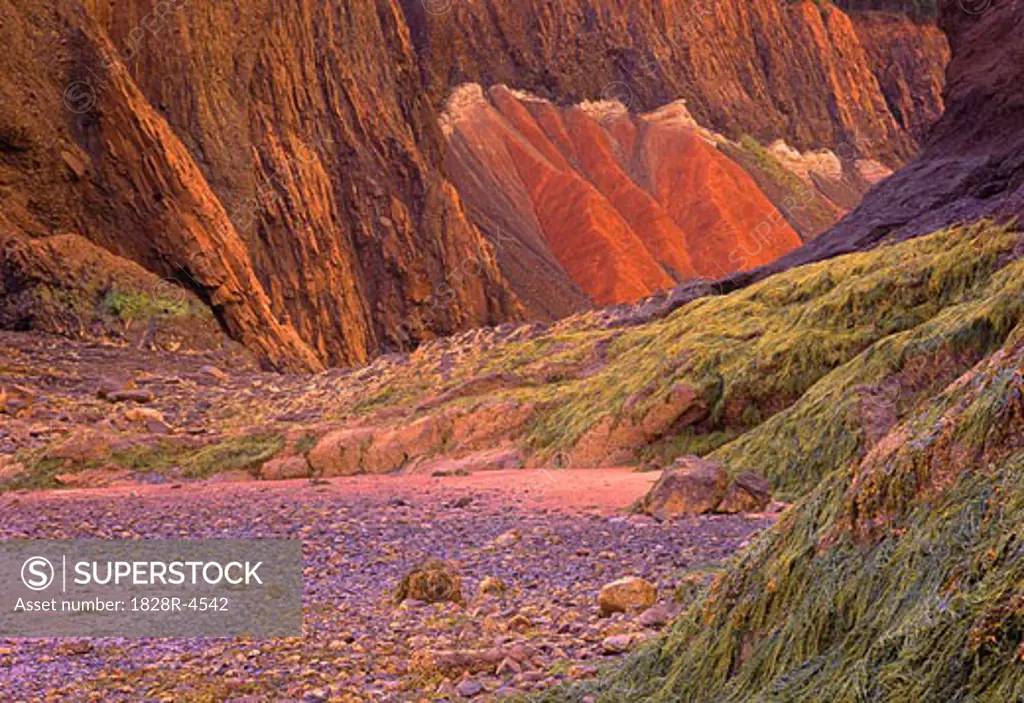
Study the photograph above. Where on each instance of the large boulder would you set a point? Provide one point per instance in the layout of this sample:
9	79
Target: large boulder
748	493
692	486
285	469
340	452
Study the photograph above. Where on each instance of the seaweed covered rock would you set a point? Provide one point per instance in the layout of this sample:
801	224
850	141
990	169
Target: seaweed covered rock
433	582
748	493
692	486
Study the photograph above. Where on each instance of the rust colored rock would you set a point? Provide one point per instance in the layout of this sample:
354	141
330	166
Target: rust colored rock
623	205
743	66
340	453
94	478
692	486
286	469
626	595
134	395
748	493
971	166
318	229
10	470
83	446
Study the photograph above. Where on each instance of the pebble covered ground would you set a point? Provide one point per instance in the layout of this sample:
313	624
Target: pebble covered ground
358	643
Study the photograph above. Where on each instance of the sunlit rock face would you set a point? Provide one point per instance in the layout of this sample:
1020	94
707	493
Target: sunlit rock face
608	205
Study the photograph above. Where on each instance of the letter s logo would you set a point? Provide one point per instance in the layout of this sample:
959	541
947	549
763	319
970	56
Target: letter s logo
37	573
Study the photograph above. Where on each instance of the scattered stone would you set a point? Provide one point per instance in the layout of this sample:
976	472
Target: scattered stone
492	586
581	671
109	386
434	582
617	644
656	617
286	469
508	667
630	594
140	395
507	539
692	486
15	401
519	623
469	688
143	415
748	493
214	373
10	470
455	473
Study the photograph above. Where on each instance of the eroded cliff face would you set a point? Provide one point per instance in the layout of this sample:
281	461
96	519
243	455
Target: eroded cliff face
618	206
973	163
284	160
803	71
252	150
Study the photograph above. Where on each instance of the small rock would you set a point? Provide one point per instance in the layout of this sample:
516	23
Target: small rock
214	373
143	415
655	617
617	644
508	667
468	688
508	539
81	447
630	594
133	395
434	582
111	385
520	623
93	478
463	502
492	586
285	469
10	470
582	671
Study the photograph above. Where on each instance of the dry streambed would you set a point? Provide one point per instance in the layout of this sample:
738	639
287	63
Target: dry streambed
360	538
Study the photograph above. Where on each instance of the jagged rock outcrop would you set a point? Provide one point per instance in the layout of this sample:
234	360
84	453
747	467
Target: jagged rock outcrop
297	189
284	161
595	200
798	71
972	165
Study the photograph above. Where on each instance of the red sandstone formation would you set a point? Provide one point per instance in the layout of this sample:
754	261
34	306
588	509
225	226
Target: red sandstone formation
626	205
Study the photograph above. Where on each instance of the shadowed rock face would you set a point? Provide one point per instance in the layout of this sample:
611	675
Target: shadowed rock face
251	149
601	202
802	71
973	163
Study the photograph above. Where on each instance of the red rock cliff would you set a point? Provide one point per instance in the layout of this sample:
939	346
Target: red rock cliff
255	151
804	71
283	159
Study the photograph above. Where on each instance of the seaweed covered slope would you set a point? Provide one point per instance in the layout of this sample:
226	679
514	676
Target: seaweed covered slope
898	578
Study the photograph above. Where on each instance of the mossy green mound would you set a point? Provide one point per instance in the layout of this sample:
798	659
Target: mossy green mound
900	577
